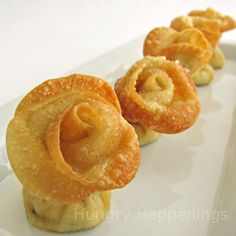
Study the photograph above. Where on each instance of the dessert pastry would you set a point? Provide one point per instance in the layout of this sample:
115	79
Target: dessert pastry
226	22
158	95
189	47
212	31
209	27
211	23
69	146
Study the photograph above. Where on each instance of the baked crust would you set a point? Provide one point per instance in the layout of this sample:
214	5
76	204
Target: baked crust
226	22
189	47
209	27
159	94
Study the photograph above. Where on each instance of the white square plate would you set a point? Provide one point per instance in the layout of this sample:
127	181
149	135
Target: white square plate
186	183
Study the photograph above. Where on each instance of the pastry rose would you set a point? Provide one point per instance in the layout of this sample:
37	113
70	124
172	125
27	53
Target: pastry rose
68	142
212	30
158	95
225	23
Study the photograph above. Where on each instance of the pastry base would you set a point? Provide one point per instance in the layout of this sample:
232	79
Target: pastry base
52	216
145	135
217	60
204	76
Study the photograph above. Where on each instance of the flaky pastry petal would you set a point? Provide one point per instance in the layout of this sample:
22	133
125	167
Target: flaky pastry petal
226	22
189	47
158	94
209	27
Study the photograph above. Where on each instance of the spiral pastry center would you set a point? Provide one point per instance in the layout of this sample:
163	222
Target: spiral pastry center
155	86
77	123
77	140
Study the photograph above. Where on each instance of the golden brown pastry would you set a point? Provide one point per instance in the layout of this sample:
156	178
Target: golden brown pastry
209	27
189	47
159	95
69	145
226	22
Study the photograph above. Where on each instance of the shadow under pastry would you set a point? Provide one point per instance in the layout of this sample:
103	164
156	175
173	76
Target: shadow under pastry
196	135
208	105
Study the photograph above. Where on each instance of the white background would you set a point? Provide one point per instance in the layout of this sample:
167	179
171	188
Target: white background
45	39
